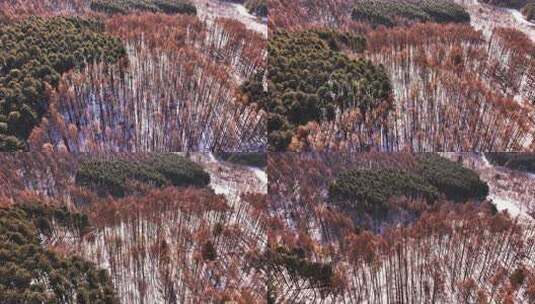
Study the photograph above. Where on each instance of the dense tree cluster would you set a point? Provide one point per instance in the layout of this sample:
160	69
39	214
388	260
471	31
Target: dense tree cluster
432	176
431	68
369	191
294	260
155	6
179	91
257	159
257	7
443	253
33	55
529	11
393	12
456	182
310	79
508	3
515	161
113	176
32	273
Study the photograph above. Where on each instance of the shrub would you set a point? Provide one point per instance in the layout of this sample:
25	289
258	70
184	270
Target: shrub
33	54
114	176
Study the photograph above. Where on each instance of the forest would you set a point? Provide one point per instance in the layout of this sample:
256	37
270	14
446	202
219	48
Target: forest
267	151
136	76
325	227
449	82
390	13
310	80
184	229
154	6
443	228
34	53
33	273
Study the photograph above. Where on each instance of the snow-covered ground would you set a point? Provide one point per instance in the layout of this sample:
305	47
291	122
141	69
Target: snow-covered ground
260	174
487	17
232	180
130	249
520	18
510	190
210	9
513	207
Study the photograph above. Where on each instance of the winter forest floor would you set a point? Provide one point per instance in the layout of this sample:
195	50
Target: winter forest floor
510	190
175	88
394	262
450	82
221	9
328	154
487	17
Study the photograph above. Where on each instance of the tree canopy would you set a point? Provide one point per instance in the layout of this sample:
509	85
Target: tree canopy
247	159
311	79
516	161
431	177
114	175
370	190
31	273
456	182
33	55
155	6
393	12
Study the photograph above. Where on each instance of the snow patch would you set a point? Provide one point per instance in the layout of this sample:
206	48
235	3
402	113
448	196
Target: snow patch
260	175
519	17
486	162
512	207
